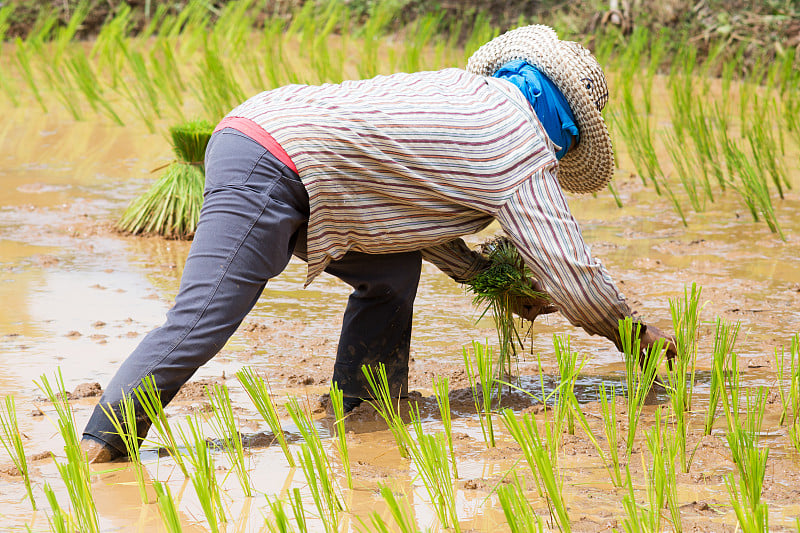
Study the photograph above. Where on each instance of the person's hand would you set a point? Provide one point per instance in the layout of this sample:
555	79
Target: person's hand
651	335
529	308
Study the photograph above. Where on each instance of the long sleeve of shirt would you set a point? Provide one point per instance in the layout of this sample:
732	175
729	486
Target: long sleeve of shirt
537	219
456	259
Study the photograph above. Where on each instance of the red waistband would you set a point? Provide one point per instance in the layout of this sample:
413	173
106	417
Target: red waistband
258	134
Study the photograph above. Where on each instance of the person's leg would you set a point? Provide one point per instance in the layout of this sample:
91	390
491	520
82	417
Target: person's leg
248	225
377	322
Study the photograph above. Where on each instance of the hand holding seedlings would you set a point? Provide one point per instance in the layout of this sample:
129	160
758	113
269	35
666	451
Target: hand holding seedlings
532	306
652	335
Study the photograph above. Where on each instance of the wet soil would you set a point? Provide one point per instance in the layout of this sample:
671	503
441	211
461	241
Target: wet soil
77	298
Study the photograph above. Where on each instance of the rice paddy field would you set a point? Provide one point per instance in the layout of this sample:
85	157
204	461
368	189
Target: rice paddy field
699	229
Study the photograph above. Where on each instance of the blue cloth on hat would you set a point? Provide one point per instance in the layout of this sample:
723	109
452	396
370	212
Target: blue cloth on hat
547	101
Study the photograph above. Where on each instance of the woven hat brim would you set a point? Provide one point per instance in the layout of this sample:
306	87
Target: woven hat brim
589	166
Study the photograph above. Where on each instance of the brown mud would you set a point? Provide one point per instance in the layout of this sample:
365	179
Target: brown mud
77	297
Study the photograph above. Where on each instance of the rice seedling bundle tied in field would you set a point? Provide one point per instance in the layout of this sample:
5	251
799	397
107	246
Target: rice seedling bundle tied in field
171	207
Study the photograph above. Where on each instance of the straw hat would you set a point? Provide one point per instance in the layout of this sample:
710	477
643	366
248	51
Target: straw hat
589	166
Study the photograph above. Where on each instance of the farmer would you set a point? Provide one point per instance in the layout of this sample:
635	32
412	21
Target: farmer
365	179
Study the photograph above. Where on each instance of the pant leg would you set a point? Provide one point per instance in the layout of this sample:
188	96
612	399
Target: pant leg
248	225
377	322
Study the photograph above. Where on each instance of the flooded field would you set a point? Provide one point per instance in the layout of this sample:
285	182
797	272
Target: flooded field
77	297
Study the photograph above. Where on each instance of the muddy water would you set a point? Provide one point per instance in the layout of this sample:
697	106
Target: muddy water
77	298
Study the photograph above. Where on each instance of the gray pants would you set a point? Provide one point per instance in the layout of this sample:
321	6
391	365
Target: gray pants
254	217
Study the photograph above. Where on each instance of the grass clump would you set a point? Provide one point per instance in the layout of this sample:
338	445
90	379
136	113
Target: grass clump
171	207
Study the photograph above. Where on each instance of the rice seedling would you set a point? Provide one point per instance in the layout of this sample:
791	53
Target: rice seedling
641	372
11	437
499	289
519	514
441	388
280	520
425	28
685	320
337	401
316	467
105	51
75	473
60	521
483	361
126	427
751	186
380	15
402	515
164	67
790	396
6	83
724	341
22	53
568	369
608	407
321	487
171	207
482	32
258	391
765	147
682	160
638	135
430	456
296	501
224	424
751	462
149	397
326	70
383	403
639	519
662	486
215	85
81	70
167	508
203	477
541	463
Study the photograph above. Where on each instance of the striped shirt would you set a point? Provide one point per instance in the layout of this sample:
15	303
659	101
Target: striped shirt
415	161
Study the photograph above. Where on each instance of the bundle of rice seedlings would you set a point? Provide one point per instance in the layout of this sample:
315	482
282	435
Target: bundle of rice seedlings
502	288
171	207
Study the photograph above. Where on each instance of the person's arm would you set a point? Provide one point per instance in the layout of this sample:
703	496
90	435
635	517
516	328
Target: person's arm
538	220
456	259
